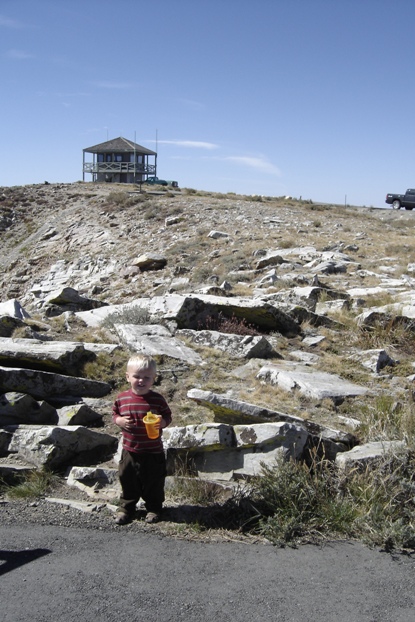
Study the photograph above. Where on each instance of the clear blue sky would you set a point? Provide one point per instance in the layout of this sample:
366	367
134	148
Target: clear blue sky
310	98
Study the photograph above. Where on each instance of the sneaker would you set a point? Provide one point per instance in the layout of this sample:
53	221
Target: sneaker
152	517
122	518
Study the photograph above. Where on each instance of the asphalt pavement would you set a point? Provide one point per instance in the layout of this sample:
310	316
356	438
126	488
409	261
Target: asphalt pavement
51	573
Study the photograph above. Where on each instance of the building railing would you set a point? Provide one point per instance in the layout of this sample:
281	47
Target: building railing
119	167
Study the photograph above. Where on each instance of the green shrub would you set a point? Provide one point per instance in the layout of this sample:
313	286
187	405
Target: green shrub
298	503
33	484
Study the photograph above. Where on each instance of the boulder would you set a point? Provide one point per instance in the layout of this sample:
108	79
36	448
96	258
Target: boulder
375	359
236	346
18	408
13	308
57	447
55	356
207	436
369	453
5	438
44	385
79	414
315	384
327	441
8	324
96	482
155	339
192	310
150	262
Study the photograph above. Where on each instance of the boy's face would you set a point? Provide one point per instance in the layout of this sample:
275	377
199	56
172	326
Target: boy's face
141	380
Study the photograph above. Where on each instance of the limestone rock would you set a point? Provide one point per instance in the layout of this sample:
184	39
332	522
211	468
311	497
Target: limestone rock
362	455
55	447
237	346
375	360
208	436
315	384
150	262
21	408
190	311
43	385
155	339
8	324
13	308
54	356
78	414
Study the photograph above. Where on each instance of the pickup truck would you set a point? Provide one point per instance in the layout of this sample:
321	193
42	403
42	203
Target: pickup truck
161	182
406	200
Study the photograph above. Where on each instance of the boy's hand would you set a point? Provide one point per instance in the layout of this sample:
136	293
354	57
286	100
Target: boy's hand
125	423
161	423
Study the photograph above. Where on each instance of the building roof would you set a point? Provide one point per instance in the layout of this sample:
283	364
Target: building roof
119	145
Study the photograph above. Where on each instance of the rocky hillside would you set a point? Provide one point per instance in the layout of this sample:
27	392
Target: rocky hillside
328	287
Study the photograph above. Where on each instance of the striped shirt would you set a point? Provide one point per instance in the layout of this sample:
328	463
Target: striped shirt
136	407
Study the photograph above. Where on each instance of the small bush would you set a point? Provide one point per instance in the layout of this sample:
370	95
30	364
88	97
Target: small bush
301	504
223	324
34	484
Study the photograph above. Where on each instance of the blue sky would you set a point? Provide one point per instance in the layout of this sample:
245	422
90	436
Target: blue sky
308	98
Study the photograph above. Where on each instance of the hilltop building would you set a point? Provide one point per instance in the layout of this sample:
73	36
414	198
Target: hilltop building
120	161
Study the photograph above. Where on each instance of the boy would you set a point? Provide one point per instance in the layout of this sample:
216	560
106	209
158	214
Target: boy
142	468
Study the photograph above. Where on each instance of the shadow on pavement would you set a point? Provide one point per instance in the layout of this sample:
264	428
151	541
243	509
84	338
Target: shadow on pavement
10	560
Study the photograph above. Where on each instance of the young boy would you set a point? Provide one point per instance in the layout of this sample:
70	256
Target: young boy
142	468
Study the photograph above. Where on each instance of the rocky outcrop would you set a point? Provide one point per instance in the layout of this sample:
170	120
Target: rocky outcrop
43	385
63	357
57	447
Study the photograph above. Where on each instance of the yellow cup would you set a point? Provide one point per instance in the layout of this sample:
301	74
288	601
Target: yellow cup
149	420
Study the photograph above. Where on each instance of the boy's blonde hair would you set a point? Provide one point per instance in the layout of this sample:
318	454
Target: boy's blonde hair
142	361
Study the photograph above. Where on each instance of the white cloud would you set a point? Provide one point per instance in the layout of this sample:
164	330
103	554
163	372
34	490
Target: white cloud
260	164
10	23
193	144
18	54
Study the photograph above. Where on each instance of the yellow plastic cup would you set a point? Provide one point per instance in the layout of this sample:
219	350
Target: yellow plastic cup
149	420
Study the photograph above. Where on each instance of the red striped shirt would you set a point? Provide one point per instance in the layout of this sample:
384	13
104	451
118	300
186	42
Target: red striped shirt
128	404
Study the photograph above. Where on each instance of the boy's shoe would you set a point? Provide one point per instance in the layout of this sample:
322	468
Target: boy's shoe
152	517
122	518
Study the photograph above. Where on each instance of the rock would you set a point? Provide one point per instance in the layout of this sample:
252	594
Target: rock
150	262
83	506
315	384
95	481
14	309
43	385
18	408
330	306
369	453
57	447
192	310
218	234
228	410
155	339
209	436
5	438
221	452
55	356
8	324
237	346
78	414
375	360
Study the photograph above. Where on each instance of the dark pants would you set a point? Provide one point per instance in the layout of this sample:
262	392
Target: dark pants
142	476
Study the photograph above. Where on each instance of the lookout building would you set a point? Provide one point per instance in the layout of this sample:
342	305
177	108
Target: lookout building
120	161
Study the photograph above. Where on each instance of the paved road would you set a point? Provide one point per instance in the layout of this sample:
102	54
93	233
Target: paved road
51	573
